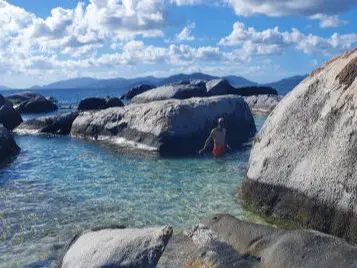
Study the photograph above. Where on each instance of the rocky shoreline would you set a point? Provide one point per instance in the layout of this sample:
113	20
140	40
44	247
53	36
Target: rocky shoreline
301	169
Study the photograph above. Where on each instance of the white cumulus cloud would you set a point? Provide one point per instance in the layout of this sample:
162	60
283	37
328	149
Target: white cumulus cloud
186	33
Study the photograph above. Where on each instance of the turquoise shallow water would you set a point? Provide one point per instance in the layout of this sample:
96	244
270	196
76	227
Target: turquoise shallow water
58	186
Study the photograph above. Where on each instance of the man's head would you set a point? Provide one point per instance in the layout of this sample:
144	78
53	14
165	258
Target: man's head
221	122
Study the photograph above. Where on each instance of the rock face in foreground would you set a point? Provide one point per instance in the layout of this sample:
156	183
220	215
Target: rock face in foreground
31	103
302	166
8	146
235	243
171	127
9	117
121	248
262	104
136	91
99	103
58	125
180	90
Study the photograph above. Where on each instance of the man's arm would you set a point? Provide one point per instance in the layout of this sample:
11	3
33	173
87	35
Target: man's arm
208	141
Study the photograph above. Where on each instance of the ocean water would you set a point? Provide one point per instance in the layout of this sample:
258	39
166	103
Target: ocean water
58	186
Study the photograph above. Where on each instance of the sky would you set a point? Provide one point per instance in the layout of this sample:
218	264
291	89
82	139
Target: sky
43	41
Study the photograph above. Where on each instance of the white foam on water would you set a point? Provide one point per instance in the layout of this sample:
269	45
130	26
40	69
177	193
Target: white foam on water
137	145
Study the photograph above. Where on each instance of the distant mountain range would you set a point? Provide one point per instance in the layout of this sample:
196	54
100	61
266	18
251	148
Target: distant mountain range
283	86
3	87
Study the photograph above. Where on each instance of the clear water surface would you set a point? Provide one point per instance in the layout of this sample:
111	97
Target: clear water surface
58	186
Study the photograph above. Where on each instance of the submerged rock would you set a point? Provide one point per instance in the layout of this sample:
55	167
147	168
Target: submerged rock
8	146
263	246
136	91
179	90
32	103
171	127
255	90
99	103
262	104
121	248
9	117
58	125
302	166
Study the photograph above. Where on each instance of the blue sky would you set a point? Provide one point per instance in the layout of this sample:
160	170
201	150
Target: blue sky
45	41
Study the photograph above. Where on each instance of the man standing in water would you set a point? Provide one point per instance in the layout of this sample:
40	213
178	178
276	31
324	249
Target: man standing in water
218	136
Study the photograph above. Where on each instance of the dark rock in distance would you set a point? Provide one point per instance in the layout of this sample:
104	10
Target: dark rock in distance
31	103
136	91
218	87
255	90
99	103
8	146
9	117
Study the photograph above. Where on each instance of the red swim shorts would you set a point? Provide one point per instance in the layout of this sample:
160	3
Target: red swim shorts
218	150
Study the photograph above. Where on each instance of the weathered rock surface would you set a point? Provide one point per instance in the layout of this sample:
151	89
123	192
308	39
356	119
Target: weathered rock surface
180	90
8	146
99	103
136	91
302	166
253	245
58	125
218	87
175	127
121	248
9	117
31	103
255	90
262	104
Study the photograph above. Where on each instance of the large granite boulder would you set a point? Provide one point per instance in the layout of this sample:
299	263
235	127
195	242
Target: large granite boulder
136	91
262	104
302	166
8	146
58	124
99	103
9	117
174	127
116	247
255	90
217	87
230	242
31	103
180	90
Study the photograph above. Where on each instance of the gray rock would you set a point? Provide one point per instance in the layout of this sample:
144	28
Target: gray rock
99	103
8	146
262	104
9	117
121	248
31	103
175	127
218	87
179	90
302	166
136	91
58	125
269	247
